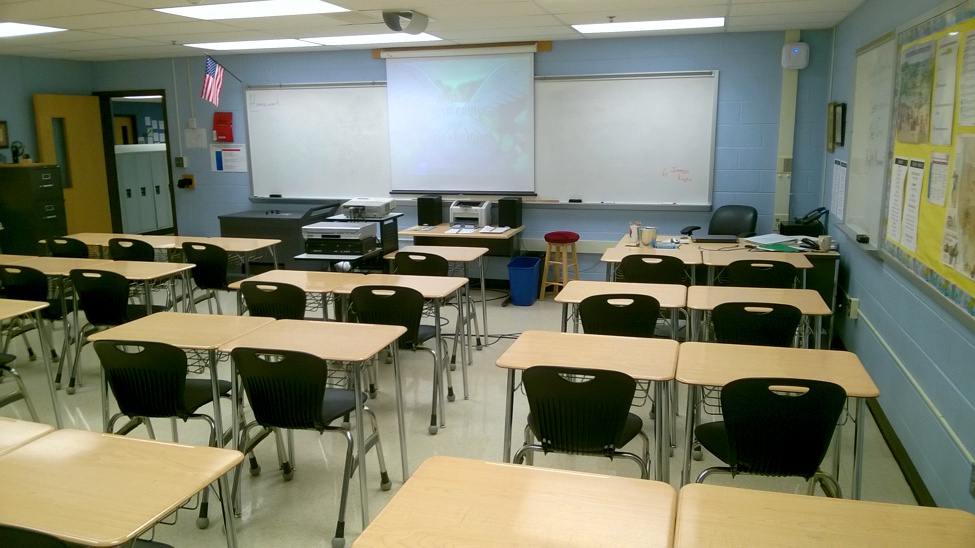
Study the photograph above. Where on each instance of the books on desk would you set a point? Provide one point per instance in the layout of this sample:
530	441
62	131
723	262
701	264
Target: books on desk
773	238
494	230
460	231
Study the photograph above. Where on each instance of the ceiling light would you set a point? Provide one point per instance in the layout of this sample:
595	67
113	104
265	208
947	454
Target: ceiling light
139	97
252	44
638	26
9	30
363	39
261	8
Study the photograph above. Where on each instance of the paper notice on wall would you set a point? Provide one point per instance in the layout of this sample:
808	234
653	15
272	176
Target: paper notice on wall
838	201
228	158
195	138
938	178
895	201
912	205
966	83
943	108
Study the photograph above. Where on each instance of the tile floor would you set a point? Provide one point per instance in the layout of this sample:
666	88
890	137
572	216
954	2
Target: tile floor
302	512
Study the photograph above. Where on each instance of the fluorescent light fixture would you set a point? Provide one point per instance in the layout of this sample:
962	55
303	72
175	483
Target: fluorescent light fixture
253	44
141	97
9	30
261	8
638	26
362	39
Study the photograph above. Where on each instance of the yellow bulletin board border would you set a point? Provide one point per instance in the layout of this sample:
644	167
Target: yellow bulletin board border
914	123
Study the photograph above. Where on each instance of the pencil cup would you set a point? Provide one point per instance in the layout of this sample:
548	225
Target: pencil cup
648	236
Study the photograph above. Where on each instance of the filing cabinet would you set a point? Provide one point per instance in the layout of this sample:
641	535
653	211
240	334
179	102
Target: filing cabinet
31	206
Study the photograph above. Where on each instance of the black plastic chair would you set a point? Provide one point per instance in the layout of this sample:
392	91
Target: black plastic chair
67	247
29	284
764	324
582	412
104	298
210	270
128	249
653	269
761	273
20	393
394	305
280	301
735	220
148	380
414	263
775	427
15	536
622	314
288	390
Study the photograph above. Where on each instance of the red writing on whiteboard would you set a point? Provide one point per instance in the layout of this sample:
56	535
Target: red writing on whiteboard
682	175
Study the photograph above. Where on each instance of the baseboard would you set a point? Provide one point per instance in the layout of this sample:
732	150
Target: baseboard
914	481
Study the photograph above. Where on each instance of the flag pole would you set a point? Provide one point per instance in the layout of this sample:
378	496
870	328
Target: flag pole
225	68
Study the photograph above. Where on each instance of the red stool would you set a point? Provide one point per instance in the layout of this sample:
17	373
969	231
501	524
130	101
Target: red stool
559	245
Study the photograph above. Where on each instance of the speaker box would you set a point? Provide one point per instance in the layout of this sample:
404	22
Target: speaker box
429	210
509	211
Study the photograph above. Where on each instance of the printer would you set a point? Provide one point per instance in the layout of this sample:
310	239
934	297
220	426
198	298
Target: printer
368	208
463	212
339	238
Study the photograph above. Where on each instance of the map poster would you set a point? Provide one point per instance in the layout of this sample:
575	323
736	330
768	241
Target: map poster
913	118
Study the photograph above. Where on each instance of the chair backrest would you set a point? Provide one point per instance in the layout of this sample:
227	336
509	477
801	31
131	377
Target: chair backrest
210	270
412	263
761	273
653	269
285	388
390	305
622	314
777	433
102	295
578	411
764	324
280	301
15	536
67	247
128	249
24	283
148	379
738	220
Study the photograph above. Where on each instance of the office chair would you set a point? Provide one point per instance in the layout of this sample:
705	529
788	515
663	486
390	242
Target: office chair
281	301
736	220
20	393
15	536
29	284
653	269
67	247
287	390
148	380
763	324
775	427
393	305
209	272
761	273
104	298
128	249
581	412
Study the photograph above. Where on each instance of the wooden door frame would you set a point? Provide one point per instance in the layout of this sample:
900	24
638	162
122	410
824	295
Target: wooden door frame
108	142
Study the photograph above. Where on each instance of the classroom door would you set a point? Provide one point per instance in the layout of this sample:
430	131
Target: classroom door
69	132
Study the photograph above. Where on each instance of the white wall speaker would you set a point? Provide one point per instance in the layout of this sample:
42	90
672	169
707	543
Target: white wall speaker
795	55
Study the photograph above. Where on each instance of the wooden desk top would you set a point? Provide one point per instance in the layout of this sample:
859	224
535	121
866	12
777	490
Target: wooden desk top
308	281
10	308
14	259
669	295
706	297
144	270
184	330
102	490
61	266
101	239
460	502
716	364
14	433
230	245
353	342
449	252
711	515
642	359
440	231
431	287
687	254
724	258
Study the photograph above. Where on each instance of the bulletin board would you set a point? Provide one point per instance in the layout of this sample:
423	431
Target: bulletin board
930	216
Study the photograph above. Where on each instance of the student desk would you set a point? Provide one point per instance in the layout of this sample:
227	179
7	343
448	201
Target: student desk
690	254
104	490
320	284
461	502
714	364
643	359
711	515
703	298
12	308
14	259
102	239
240	246
149	272
14	433
715	259
670	296
204	332
345	342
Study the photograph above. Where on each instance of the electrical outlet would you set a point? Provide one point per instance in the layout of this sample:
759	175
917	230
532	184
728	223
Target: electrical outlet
854	308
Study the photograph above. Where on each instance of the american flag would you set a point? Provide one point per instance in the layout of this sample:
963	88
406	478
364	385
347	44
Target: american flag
212	81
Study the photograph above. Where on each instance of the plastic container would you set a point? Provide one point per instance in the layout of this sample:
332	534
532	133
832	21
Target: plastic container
523	275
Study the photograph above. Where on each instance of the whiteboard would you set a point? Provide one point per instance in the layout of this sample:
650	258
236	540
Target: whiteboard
646	139
319	142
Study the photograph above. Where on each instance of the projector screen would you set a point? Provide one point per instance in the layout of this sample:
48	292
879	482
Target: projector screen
462	124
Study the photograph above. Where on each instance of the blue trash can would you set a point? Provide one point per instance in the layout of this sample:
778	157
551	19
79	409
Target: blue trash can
523	275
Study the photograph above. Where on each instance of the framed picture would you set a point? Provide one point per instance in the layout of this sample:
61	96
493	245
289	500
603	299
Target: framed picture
4	138
835	126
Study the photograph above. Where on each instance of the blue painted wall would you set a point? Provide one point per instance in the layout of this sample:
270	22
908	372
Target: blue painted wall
937	351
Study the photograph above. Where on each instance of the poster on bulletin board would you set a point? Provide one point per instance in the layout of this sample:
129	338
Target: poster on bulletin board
930	218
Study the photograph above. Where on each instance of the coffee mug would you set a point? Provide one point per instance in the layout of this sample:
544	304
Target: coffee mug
648	236
825	242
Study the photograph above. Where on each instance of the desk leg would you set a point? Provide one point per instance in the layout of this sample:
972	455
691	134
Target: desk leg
45	351
565	317
819	332
661	440
463	326
214	383
360	440
228	510
439	370
609	272
400	415
858	442
575	318
692	397
484	318
274	256
509	405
